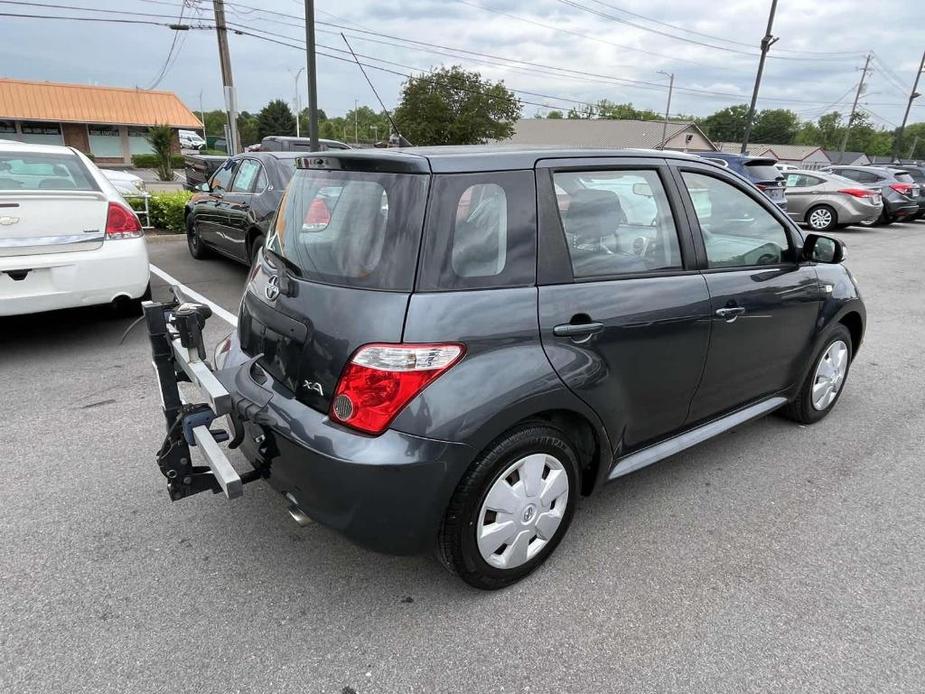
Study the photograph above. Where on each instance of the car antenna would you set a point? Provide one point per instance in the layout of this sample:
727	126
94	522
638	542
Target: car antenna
402	142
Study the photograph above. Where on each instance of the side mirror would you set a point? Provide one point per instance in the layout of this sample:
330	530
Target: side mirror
204	187
642	189
823	249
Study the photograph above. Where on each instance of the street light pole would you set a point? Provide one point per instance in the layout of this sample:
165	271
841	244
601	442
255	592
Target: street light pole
913	95
670	76
312	72
766	44
854	106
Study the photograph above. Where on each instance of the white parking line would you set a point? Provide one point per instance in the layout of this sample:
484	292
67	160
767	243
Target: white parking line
226	316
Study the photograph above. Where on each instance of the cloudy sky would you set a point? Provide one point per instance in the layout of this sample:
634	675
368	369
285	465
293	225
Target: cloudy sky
555	53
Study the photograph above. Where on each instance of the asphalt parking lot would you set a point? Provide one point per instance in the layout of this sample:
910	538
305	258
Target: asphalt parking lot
775	558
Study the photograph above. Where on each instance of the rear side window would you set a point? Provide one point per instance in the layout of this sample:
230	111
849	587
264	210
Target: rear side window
351	228
481	232
244	180
42	171
617	223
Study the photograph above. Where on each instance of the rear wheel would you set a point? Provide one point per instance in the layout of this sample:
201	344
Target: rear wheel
512	507
825	382
197	248
885	218
821	218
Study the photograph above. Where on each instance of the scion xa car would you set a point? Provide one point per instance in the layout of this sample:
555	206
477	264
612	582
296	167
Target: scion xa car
230	213
446	348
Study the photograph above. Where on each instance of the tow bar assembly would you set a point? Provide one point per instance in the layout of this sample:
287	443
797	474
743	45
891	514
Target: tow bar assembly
175	332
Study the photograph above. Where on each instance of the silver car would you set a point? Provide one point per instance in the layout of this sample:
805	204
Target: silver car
824	200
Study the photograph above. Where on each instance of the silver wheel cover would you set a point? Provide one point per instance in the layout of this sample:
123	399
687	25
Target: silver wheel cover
522	511
820	218
830	375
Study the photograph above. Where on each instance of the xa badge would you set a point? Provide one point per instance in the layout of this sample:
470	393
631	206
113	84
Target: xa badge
313	386
272	288
6	221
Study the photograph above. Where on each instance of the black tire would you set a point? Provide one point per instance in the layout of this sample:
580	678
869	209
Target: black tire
457	546
832	217
884	219
256	245
197	248
801	409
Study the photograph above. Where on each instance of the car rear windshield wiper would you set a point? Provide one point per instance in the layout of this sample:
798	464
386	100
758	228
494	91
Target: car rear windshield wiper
285	262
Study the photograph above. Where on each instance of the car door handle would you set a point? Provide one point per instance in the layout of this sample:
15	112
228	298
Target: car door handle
577	329
730	313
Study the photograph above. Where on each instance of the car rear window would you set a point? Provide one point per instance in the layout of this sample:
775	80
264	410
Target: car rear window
42	171
351	228
763	172
904	178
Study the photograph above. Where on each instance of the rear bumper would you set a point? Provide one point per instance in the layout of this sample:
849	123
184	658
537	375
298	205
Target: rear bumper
387	493
901	210
68	280
857	210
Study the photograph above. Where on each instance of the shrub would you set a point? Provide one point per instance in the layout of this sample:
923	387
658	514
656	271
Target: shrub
166	209
160	137
149	161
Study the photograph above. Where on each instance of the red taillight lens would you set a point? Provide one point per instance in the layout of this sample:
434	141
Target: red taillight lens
761	186
857	192
902	188
381	379
318	215
121	223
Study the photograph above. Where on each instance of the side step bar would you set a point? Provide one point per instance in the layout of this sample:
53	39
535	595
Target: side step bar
660	451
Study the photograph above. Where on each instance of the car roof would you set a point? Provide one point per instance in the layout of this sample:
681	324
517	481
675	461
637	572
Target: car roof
16	146
745	158
470	158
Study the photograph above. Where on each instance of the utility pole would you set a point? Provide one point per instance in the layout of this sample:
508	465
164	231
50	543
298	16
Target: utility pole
234	143
312	84
854	105
766	44
913	95
670	76
202	115
298	102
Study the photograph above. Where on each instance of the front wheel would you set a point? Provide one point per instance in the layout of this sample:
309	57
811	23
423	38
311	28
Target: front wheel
512	507
197	248
825	382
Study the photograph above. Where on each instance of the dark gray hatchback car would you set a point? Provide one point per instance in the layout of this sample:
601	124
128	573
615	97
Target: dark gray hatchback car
445	348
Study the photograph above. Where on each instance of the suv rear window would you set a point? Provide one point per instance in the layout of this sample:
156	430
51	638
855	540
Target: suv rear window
352	228
904	178
40	171
763	172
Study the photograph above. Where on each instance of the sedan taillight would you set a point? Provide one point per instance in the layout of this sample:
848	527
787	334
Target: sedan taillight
902	188
121	223
857	192
381	379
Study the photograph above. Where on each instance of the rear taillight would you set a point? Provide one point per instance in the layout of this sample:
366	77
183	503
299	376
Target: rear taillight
761	186
857	192
902	188
318	216
121	223
381	379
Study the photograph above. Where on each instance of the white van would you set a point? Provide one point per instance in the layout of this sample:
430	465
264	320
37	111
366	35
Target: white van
190	140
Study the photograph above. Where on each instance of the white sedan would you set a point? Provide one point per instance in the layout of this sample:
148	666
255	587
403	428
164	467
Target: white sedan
67	238
126	183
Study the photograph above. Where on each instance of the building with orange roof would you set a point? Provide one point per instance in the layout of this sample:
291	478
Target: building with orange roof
110	123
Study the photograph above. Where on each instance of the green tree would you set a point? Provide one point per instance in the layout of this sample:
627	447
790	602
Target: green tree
608	109
554	115
775	126
913	141
275	119
160	137
452	106
727	124
247	129
582	112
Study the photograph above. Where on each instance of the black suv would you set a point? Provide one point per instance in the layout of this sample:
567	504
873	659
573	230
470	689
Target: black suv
762	171
448	347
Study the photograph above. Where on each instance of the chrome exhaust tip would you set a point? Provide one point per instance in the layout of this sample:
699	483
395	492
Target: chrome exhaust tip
298	515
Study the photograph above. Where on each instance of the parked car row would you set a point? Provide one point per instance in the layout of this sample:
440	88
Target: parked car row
835	196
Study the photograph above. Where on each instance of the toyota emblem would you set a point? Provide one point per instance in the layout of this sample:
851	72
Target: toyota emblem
272	288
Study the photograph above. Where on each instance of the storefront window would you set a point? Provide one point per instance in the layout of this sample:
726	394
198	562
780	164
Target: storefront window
7	127
41	134
138	141
105	141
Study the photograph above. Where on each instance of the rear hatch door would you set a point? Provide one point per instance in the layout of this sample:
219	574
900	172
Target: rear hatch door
336	274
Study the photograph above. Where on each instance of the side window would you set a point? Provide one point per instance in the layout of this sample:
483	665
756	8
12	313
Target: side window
222	177
262	181
812	181
737	230
795	181
481	232
244	180
617	223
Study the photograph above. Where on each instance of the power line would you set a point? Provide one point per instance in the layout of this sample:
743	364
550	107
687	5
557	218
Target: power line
173	44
